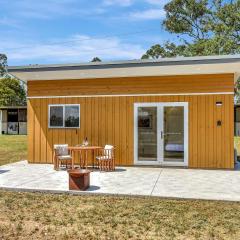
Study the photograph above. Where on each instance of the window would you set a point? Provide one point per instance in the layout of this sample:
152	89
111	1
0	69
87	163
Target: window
64	116
71	116
56	116
22	115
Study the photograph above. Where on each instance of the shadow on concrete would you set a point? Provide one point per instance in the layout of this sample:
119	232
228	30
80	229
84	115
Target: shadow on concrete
93	188
98	170
120	170
4	171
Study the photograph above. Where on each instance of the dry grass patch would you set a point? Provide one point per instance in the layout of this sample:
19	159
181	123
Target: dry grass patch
13	148
45	216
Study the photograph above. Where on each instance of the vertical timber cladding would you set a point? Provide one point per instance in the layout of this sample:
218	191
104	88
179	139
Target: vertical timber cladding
109	120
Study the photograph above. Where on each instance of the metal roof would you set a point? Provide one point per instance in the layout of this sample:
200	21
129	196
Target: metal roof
130	63
135	68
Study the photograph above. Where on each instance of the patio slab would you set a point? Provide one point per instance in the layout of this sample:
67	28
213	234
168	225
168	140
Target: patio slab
162	182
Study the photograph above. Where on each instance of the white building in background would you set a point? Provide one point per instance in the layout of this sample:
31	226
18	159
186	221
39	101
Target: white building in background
13	120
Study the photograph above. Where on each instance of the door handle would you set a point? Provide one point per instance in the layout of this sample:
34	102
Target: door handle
161	134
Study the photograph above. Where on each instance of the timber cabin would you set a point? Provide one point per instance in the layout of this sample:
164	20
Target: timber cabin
167	112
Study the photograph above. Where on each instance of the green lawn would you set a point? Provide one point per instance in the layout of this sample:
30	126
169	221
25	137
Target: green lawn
12	148
45	216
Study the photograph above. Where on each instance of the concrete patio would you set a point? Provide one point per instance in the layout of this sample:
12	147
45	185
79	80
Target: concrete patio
162	182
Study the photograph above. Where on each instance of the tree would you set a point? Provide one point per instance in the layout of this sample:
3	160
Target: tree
225	25
167	50
188	18
237	91
96	59
12	92
3	64
205	27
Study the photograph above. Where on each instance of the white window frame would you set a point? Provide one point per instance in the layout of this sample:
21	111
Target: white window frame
63	105
160	161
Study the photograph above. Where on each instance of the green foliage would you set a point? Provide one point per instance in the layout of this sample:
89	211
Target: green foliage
168	50
12	92
188	17
237	91
96	59
226	21
3	64
205	27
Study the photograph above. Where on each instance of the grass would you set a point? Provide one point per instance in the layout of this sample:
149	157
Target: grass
46	216
237	144
13	148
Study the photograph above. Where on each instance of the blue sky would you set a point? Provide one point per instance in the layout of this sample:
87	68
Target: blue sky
64	31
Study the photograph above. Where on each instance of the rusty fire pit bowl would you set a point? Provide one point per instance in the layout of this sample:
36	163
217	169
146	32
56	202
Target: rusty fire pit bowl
79	179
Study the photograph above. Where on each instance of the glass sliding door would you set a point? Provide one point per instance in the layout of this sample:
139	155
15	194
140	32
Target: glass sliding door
173	134
147	133
161	133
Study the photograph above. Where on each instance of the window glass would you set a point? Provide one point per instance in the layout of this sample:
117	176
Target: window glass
12	115
147	133
56	116
173	134
22	115
64	116
72	116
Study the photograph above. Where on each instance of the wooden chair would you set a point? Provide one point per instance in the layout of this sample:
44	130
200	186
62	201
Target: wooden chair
106	160
62	155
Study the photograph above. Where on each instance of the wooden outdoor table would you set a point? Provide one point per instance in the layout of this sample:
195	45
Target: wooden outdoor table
85	150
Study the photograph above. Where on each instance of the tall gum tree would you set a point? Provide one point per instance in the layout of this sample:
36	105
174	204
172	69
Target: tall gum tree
203	27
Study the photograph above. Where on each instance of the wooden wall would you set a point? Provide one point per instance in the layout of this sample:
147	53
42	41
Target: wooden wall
109	120
134	85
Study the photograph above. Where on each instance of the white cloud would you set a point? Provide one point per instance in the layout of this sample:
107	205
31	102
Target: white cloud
123	3
158	2
73	49
130	2
150	14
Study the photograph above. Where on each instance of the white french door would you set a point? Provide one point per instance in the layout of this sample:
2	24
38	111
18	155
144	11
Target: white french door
161	133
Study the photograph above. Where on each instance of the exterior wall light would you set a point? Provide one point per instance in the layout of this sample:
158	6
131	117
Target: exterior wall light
219	104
